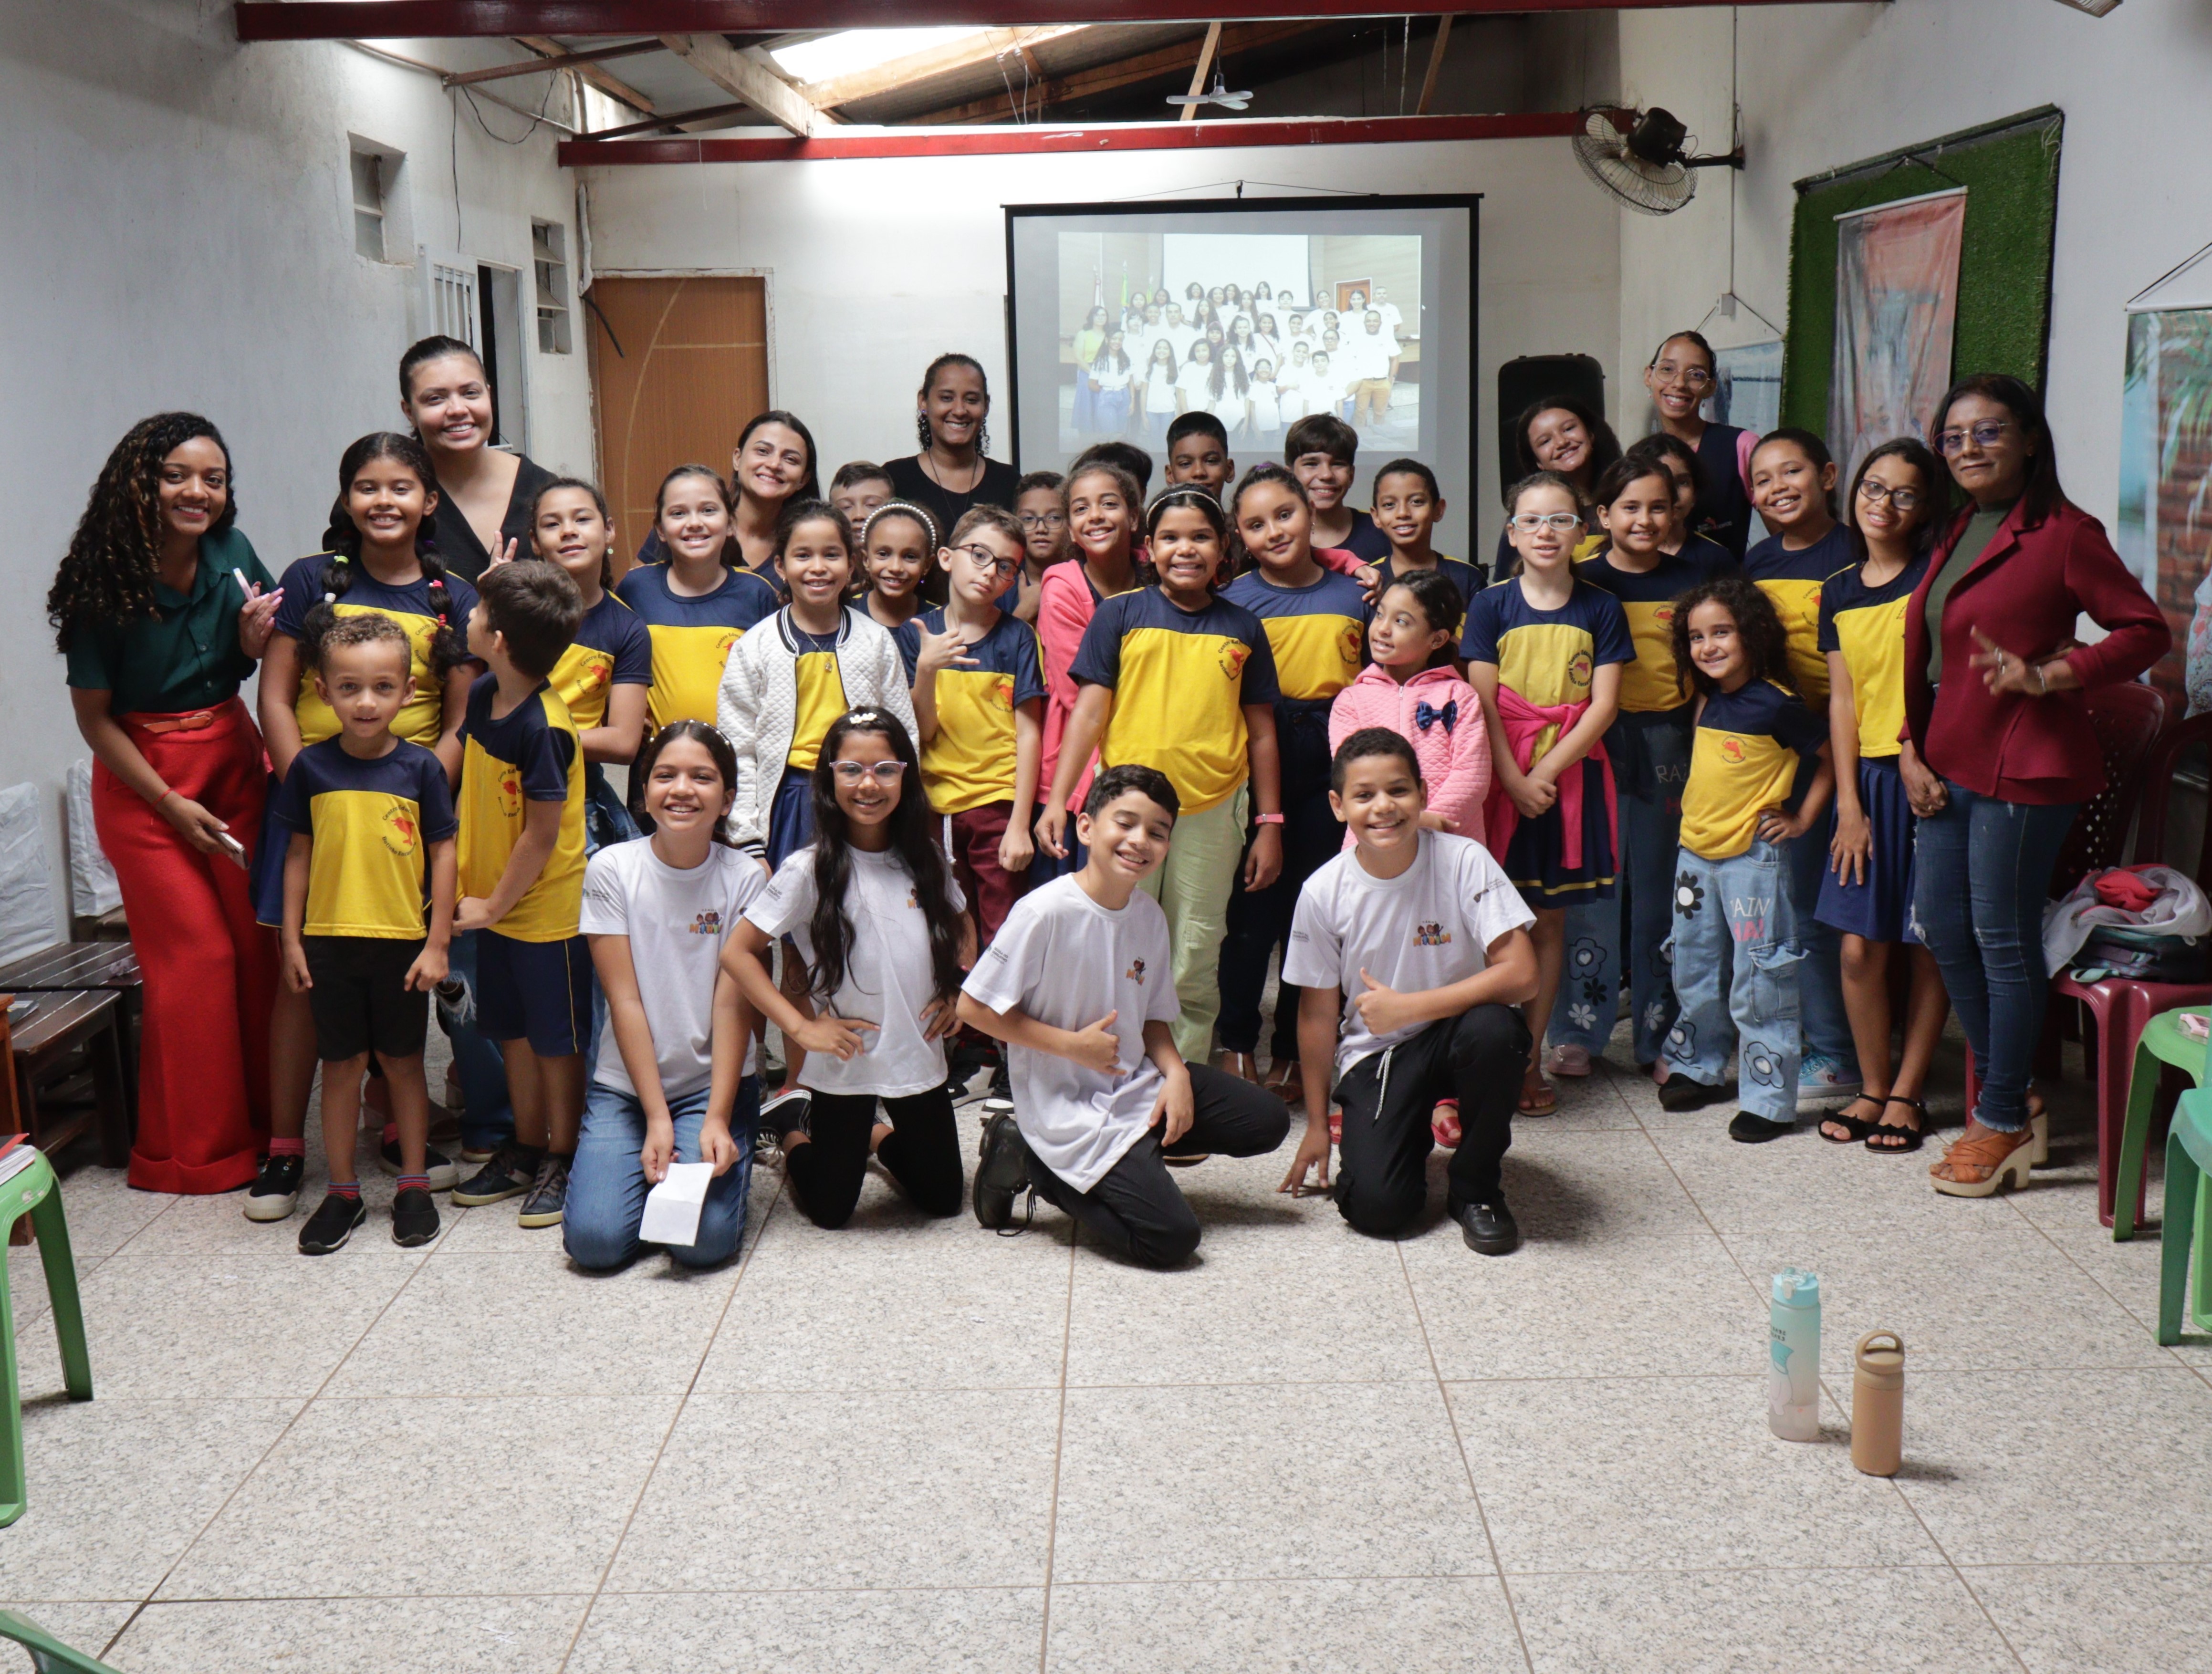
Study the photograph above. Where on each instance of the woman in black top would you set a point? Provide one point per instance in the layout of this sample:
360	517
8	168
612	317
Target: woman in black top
485	494
951	474
1681	376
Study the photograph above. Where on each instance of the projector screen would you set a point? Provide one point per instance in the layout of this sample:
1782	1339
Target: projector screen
1363	307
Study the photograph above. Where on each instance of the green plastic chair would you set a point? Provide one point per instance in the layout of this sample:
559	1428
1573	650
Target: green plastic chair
36	1192
48	1654
2162	1043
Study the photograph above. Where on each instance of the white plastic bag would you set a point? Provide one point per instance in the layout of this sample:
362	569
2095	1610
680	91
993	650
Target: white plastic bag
92	887
27	899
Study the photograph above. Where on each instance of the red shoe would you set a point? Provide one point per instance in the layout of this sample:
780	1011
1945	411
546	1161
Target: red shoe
1336	1127
1443	1122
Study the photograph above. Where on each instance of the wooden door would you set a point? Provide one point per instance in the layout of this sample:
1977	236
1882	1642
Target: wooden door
678	366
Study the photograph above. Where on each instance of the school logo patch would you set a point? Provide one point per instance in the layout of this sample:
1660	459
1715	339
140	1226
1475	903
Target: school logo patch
594	674
1732	751
1234	656
1664	615
708	923
1578	671
1002	693
723	646
508	788
1431	934
1136	972
1350	641
402	833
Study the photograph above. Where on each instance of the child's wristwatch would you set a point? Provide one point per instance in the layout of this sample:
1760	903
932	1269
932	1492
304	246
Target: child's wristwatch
1266	819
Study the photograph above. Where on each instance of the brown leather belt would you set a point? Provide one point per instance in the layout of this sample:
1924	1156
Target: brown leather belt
198	721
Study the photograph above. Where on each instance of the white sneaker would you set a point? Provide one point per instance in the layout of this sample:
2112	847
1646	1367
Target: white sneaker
1568	1060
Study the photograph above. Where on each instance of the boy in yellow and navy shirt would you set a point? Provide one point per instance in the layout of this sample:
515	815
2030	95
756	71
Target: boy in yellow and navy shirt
522	879
364	809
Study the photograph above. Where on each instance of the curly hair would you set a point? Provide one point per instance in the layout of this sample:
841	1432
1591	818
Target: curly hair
106	578
1765	641
342	556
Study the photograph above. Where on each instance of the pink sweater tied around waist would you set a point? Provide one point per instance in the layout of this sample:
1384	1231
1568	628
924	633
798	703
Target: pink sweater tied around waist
1524	723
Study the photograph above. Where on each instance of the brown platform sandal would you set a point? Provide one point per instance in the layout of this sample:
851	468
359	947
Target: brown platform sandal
1909	1139
2000	1159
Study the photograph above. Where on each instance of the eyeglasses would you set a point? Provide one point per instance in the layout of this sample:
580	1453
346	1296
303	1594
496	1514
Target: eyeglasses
1696	377
990	560
886	774
1529	523
1988	434
1042	519
1877	494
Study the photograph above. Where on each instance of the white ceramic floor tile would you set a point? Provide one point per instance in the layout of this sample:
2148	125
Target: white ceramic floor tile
2113	1618
526	1635
1668	1473
1571	1186
1801	1183
942	1630
1243	1481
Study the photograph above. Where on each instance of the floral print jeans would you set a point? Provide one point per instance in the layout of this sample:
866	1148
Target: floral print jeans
1735	957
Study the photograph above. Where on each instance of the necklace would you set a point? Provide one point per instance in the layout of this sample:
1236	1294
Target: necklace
929	470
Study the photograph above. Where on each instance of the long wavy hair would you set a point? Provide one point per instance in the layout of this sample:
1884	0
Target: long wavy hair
811	488
342	556
106	578
1765	641
914	844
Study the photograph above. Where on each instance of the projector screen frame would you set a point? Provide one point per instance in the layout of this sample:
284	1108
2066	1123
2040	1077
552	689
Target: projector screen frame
1470	202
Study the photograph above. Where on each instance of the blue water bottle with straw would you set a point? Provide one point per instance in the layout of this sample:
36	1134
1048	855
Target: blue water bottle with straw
1793	1378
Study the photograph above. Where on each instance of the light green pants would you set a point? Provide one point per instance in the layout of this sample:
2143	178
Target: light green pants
1192	887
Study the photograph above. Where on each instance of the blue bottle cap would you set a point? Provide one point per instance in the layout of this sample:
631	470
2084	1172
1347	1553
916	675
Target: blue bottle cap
1795	1288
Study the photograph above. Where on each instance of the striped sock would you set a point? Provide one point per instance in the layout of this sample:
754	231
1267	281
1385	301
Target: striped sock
288	1148
419	1182
344	1188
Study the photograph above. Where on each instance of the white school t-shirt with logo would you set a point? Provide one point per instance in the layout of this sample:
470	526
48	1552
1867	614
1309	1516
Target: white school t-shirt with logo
887	975
676	920
1426	928
1068	962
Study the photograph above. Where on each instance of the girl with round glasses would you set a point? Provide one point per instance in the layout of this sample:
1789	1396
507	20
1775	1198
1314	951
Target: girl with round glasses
1683	374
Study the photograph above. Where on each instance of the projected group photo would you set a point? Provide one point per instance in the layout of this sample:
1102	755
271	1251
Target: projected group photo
1258	329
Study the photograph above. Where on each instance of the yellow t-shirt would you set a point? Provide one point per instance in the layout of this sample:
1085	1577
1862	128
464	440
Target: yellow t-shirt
371	823
970	762
530	754
821	697
1793	581
412	605
1867	626
692	637
612	648
1743	760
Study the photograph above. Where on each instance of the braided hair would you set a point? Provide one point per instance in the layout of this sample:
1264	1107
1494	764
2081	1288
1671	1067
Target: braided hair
341	555
106	578
929	378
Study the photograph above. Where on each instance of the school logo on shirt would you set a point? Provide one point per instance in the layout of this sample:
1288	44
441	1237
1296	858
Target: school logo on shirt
402	834
708	923
1002	692
1428	933
1664	615
722	646
596	672
510	792
1732	750
1234	656
1136	972
1578	670
1350	641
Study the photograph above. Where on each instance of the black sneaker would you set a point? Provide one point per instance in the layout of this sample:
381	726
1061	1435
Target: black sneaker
330	1226
1002	1170
275	1190
414	1218
444	1175
548	1199
1679	1092
1489	1228
1756	1130
510	1173
1002	1083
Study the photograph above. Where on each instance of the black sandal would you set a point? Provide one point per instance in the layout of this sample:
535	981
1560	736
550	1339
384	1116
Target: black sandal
1912	1136
1858	1130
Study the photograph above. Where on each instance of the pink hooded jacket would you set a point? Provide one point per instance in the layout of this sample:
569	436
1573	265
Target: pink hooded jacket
1453	748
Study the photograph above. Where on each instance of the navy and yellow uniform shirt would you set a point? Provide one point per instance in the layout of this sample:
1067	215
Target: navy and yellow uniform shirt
1317	634
970	762
371	823
1547	658
692	637
612	648
1792	581
1181	679
1867	625
1648	685
1744	760
410	606
818	698
1469	578
529	755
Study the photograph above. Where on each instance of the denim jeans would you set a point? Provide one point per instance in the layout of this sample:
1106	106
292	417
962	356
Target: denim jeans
486	1118
607	1188
1589	991
1826	1025
1736	960
1981	874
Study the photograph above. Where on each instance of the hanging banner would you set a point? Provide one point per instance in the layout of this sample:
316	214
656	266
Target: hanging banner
2164	526
1897	300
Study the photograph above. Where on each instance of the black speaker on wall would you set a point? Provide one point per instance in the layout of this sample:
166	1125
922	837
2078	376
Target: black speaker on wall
1534	377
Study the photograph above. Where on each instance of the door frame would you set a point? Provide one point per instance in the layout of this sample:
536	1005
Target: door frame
765	274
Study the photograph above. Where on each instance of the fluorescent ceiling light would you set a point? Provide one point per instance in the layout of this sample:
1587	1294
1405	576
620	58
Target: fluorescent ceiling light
849	52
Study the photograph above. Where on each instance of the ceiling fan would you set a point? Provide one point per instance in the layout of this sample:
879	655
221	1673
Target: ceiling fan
1218	94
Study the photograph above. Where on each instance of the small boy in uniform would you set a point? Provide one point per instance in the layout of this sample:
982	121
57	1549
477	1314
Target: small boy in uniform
1413	950
362	807
1408	505
1077	986
522	879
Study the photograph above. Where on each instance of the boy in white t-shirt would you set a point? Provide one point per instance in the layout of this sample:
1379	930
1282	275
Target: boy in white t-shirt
1078	984
1423	943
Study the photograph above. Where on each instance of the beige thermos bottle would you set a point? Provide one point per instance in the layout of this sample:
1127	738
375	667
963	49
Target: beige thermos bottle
1878	1403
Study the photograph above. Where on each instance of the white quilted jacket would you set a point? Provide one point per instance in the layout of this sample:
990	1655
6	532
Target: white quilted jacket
758	704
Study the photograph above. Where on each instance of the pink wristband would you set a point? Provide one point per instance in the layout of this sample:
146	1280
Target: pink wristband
1267	819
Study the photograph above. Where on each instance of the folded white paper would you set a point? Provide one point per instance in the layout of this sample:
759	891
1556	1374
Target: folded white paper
671	1208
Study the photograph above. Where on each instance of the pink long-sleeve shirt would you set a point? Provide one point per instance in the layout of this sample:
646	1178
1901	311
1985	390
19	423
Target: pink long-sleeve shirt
1453	755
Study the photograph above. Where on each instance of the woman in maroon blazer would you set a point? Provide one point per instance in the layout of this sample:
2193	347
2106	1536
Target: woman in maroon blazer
1998	752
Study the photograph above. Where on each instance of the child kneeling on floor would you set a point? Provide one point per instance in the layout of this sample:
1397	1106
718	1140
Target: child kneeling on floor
1077	986
1412	953
1735	947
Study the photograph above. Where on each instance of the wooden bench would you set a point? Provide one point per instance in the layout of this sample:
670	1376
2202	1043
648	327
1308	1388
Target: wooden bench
73	966
46	1043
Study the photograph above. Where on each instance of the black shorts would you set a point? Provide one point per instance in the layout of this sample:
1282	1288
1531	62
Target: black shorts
540	992
360	1000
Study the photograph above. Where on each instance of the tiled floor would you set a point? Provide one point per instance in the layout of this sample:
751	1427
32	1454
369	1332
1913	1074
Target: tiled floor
913	1446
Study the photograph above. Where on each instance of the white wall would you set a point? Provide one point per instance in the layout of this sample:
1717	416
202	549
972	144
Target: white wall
180	234
1827	85
876	265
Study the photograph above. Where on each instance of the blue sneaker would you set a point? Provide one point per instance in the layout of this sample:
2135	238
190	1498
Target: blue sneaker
1823	1081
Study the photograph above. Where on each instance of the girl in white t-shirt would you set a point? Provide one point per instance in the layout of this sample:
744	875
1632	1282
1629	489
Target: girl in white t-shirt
1159	385
1266	422
1232	391
675	1081
1195	382
882	935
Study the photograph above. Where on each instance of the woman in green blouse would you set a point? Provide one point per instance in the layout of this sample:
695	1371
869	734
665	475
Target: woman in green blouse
161	609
